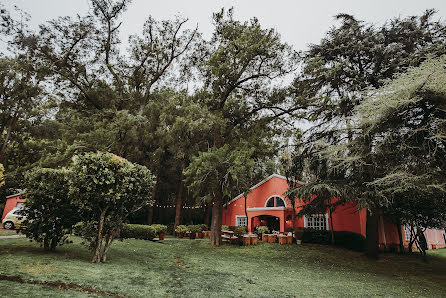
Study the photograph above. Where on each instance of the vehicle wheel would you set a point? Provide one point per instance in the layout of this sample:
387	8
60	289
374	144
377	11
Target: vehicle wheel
8	225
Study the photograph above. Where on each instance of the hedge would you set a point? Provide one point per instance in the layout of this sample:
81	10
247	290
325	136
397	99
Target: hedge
350	240
138	232
346	239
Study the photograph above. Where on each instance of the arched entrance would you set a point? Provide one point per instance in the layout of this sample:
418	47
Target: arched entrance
272	222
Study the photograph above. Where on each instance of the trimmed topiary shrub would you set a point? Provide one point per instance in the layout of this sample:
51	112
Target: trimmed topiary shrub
204	227
159	228
224	228
349	240
181	229
138	232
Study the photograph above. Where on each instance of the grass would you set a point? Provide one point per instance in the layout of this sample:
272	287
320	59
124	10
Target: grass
183	268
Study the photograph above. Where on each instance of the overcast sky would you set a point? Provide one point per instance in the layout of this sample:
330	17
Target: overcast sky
300	22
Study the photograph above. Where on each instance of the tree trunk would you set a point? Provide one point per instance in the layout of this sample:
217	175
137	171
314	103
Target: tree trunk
178	203
97	256
332	228
108	243
217	209
150	216
400	236
372	235
207	215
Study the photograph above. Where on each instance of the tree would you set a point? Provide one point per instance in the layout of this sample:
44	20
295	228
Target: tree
337	72
244	63
406	122
49	212
106	189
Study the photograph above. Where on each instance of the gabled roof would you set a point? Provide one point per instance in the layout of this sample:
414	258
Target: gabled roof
15	195
257	185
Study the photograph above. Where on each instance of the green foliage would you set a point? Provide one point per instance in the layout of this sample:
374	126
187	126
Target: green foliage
49	211
316	236
262	230
106	189
194	228
138	232
240	230
350	240
224	228
181	229
159	228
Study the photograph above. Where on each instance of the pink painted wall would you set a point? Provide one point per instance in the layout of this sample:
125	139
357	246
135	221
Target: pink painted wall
11	203
346	217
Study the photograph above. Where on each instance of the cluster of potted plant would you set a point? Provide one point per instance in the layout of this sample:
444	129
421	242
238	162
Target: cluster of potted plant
194	231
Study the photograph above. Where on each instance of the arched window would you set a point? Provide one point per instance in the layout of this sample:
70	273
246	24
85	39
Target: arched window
275	201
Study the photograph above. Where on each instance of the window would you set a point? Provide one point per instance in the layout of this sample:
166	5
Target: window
241	220
316	221
407	233
275	201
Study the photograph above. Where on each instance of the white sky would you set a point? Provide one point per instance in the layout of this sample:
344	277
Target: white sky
300	22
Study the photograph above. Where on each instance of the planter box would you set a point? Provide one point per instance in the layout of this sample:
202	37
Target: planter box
282	239
264	237
289	239
272	238
254	240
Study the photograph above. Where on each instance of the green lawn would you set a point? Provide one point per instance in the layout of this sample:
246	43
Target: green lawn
175	267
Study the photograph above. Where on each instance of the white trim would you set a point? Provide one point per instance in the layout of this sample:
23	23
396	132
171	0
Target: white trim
15	195
273	196
258	184
326	220
244	216
266	208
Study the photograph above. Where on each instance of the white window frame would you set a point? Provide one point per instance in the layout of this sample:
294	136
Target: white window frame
237	220
274	196
306	221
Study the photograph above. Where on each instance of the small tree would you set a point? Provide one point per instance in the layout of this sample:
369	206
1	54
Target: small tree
107	188
49	212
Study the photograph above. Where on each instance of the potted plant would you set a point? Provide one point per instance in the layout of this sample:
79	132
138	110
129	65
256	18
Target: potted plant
298	234
160	230
192	231
200	230
180	230
262	230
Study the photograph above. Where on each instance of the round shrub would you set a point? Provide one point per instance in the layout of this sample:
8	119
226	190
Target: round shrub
159	228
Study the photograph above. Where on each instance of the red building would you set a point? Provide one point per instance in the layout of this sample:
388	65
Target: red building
266	204
13	201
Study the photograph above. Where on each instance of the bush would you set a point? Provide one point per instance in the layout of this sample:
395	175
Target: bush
224	228
316	236
204	227
194	228
349	240
138	232
240	230
181	229
159	228
262	230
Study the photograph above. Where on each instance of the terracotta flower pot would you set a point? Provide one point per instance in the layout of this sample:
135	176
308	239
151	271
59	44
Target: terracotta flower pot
264	237
180	235
200	235
272	238
161	236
